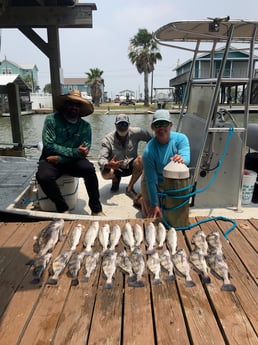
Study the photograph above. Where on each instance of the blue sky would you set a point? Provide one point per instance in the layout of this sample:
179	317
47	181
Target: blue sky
105	46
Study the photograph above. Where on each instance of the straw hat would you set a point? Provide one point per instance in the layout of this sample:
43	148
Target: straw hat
75	95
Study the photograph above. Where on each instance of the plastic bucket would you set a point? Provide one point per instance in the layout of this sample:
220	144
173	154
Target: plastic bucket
249	180
68	187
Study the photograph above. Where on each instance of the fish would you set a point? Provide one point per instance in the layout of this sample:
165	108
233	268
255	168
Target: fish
171	239
48	237
138	234
104	233
75	236
213	239
182	266
124	263
114	237
167	264
153	264
90	262
74	266
197	259
58	266
90	236
109	268
199	240
138	265
40	265
219	269
161	235
150	237
127	236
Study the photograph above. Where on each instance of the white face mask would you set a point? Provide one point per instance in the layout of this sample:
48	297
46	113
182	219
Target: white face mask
122	133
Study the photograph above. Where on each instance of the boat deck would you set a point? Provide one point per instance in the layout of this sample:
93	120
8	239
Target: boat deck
87	313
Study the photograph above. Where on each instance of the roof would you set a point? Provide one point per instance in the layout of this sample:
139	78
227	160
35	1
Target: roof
6	79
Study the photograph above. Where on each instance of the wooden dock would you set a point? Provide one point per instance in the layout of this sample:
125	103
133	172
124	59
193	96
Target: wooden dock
87	313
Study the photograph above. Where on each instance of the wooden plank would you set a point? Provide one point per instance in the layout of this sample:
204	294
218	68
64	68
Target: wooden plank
7	230
227	306
75	318
200	319
107	318
249	229
45	314
138	325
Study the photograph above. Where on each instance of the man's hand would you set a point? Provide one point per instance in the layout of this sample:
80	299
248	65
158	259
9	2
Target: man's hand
178	158
83	150
53	159
114	164
154	212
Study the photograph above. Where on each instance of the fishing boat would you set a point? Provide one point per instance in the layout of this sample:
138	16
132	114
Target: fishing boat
218	144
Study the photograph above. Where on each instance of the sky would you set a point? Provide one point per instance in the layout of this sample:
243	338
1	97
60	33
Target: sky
105	46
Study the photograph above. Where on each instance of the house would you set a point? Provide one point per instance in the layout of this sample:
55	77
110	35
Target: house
28	72
233	90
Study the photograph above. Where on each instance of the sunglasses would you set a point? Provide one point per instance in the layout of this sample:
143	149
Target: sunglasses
122	124
73	104
159	124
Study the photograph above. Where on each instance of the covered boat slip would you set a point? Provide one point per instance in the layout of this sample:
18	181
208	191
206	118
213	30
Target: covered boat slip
87	313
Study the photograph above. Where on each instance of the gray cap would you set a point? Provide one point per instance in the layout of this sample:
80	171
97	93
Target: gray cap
161	115
122	118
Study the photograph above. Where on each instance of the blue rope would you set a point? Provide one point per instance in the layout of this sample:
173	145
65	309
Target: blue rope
187	196
30	201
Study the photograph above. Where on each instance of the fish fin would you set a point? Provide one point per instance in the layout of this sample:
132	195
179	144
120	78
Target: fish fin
74	282
156	282
170	278
189	283
51	281
85	280
30	262
108	286
228	287
35	281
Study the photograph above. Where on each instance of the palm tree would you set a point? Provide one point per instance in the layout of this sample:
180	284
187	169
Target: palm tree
95	81
144	53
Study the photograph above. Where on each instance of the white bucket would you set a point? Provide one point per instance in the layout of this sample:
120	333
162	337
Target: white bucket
69	189
249	180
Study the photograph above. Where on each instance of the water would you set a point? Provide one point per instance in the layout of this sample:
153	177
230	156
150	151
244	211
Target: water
101	125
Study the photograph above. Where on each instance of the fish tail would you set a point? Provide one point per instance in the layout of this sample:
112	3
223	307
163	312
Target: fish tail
150	251
206	279
74	282
51	281
85	279
132	278
30	262
157	281
228	287
108	286
35	281
136	284
171	278
189	283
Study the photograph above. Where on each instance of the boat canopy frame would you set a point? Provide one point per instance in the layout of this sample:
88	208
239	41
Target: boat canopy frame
198	117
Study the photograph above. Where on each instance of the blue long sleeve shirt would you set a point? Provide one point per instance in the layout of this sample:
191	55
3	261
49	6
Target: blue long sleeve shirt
63	138
156	156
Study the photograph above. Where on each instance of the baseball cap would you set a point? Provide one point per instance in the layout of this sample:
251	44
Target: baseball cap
161	115
122	118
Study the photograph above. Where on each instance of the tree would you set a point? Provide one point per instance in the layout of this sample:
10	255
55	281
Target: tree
144	53
47	88
95	81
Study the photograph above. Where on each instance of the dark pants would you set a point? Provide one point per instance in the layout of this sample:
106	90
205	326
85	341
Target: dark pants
48	173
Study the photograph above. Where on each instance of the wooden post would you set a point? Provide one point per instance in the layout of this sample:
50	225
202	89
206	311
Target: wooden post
15	117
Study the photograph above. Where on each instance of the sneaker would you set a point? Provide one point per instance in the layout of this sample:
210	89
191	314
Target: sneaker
115	185
132	194
98	214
